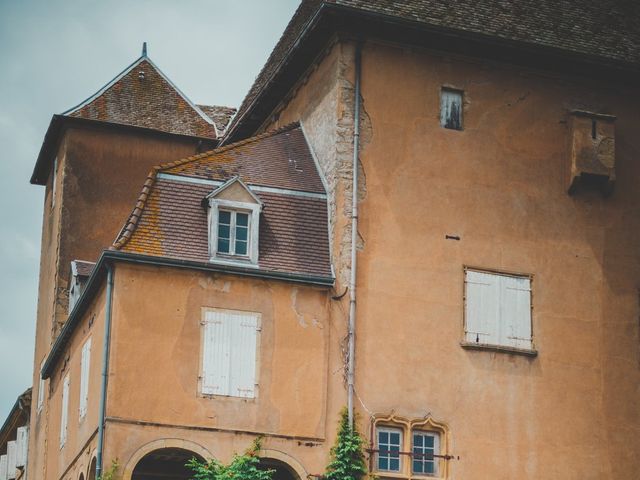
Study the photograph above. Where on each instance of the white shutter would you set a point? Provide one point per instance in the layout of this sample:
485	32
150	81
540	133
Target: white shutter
229	353
11	459
243	355
216	354
482	315
85	363
516	312
3	467
22	442
64	411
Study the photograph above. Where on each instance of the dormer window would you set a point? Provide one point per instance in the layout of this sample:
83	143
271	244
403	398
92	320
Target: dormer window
234	216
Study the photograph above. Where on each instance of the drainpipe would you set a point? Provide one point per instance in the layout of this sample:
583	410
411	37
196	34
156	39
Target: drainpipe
354	236
105	369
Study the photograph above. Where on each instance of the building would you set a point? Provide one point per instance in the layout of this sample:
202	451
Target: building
14	439
496	239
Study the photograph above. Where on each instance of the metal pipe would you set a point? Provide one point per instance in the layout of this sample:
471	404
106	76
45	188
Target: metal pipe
105	369
354	236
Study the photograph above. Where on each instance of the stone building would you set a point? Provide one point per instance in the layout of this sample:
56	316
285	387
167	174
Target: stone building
494	249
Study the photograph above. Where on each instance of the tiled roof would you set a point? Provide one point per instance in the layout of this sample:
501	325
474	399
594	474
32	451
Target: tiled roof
606	29
83	268
220	115
144	97
169	220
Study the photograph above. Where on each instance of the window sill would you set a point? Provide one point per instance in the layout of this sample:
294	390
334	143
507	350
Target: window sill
236	262
499	348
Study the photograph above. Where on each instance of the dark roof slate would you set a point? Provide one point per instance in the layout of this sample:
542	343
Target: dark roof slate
608	29
169	220
143	96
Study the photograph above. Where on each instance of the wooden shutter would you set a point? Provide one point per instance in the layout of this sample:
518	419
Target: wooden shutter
244	339
229	353
64	412
41	386
516	312
22	442
482	312
85	363
216	354
11	460
3	467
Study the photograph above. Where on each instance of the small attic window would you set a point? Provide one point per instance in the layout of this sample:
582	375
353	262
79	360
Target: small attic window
451	108
234	221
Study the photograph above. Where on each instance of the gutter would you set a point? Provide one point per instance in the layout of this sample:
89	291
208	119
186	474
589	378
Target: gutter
105	370
354	235
108	257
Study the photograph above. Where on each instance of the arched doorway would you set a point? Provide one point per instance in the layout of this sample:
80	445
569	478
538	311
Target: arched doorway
91	474
283	471
165	464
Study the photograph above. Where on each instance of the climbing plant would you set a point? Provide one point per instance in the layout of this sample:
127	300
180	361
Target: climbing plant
110	474
347	457
242	467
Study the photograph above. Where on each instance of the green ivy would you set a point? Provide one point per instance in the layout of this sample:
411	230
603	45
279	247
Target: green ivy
347	457
111	473
242	467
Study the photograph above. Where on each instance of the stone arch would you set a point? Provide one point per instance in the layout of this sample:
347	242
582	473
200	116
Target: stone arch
163	444
91	473
277	459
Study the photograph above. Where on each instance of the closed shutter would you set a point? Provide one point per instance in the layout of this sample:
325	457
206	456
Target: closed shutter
85	363
40	387
516	312
3	467
243	355
482	315
64	411
216	354
22	442
229	353
11	460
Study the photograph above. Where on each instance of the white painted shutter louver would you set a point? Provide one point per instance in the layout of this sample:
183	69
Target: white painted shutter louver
11	460
3	467
229	354
85	363
498	310
40	387
64	411
22	442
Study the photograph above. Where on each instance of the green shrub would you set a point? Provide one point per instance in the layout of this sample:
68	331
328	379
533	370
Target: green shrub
242	467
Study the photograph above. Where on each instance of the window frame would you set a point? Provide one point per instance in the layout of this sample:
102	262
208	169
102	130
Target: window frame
436	449
465	343
389	429
253	211
407	428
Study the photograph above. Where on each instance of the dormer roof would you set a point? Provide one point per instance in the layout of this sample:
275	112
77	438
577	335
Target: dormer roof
234	182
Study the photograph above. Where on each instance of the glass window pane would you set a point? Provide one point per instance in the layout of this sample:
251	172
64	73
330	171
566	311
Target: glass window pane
223	231
383	437
223	245
241	233
394	437
430	467
394	464
428	440
417	466
241	247
224	217
242	219
417	440
383	463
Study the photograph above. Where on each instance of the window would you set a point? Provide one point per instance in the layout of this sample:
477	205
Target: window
41	385
389	448
233	232
497	310
22	446
425	446
64	411
451	108
234	216
425	454
229	353
85	362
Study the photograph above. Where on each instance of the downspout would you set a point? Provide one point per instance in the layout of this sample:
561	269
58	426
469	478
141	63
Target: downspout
105	369
354	236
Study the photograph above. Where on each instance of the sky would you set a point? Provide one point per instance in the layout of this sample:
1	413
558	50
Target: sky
56	53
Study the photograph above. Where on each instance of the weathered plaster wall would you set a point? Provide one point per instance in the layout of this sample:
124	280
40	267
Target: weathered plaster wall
500	184
156	355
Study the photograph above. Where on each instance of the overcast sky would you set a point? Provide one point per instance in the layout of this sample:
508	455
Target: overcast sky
53	55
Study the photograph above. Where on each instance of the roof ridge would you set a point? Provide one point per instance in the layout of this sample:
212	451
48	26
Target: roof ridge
231	146
132	222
